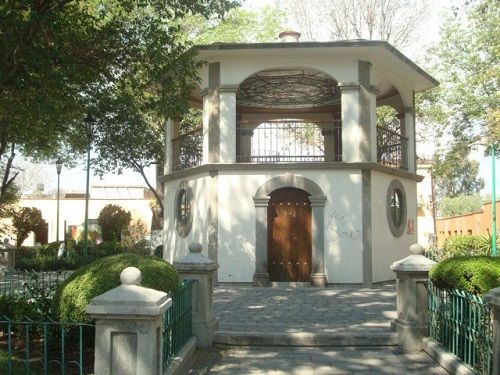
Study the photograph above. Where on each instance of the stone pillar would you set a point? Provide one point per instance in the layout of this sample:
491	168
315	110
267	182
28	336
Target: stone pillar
329	144
128	337
261	275
201	269
167	167
318	276
412	320
211	115
409	131
228	124
351	131
245	151
493	299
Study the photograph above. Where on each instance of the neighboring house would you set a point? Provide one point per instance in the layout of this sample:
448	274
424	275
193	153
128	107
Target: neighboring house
477	223
288	177
135	199
425	206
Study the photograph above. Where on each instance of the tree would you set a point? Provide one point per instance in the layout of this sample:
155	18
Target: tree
465	108
454	174
113	221
24	221
59	58
395	21
460	205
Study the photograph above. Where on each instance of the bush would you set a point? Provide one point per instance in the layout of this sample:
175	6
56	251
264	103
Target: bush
465	245
113	220
50	263
102	275
159	251
474	274
49	249
107	248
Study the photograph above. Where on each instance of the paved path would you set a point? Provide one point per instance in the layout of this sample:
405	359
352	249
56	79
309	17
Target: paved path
311	361
285	310
307	309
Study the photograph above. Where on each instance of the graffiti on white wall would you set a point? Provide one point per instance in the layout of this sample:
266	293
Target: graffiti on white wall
341	224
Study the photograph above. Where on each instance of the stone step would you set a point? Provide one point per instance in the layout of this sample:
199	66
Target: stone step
306	338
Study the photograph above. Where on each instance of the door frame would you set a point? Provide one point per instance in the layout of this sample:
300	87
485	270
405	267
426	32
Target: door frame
318	201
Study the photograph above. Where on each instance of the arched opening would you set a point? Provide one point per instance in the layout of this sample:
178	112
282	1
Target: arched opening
289	230
288	115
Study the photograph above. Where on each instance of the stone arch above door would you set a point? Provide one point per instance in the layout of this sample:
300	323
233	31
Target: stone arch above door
261	200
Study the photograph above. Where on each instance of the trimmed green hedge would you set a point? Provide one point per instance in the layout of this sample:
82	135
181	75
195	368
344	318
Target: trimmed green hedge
474	274
102	275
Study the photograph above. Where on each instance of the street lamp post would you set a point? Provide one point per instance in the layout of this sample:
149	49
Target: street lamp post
58	168
89	124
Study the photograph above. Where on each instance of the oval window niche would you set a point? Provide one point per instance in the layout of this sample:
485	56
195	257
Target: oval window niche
396	208
183	209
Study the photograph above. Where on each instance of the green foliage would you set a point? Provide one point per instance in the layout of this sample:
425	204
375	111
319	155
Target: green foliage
107	248
24	221
387	118
454	174
115	59
49	249
460	205
51	263
158	252
474	274
133	238
238	26
113	221
466	61
102	275
465	245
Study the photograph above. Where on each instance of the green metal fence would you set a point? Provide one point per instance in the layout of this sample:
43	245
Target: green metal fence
177	321
49	347
462	323
21	282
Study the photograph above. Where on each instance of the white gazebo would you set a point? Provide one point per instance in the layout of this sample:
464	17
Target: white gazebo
288	177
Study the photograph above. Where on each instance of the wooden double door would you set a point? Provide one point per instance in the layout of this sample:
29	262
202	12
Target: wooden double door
289	235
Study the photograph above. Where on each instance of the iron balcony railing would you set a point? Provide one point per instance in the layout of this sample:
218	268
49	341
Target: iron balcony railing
289	141
462	323
392	148
177	322
187	150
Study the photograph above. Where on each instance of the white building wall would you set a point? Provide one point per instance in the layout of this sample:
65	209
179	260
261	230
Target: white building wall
386	248
236	229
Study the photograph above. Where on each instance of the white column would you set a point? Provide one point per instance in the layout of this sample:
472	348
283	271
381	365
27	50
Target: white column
206	121
227	125
410	134
351	132
167	167
373	126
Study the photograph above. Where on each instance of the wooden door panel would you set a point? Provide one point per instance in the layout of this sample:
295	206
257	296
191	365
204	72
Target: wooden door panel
289	235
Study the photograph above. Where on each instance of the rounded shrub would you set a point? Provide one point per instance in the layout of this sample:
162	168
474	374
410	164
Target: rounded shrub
107	248
465	245
474	274
102	275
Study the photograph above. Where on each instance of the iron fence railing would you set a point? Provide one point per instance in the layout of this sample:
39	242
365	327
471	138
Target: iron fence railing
462	323
46	347
392	148
177	321
187	150
21	282
289	141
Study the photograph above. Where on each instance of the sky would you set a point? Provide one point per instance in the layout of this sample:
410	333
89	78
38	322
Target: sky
74	179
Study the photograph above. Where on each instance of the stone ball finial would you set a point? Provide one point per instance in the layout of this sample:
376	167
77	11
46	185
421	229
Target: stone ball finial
195	247
417	249
131	276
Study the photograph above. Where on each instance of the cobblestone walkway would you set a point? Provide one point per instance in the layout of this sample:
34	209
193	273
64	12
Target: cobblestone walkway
306	309
312	361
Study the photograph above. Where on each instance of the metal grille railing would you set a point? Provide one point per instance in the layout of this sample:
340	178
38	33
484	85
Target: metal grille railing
289	142
187	150
21	282
392	148
177	321
462	323
46	347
